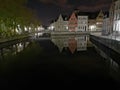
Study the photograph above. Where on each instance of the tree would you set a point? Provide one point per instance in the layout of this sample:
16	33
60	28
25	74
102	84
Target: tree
14	13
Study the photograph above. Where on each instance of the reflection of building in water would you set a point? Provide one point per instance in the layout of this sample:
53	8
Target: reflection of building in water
81	43
72	43
59	43
13	49
19	47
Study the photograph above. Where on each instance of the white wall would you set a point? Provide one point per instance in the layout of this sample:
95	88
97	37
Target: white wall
82	23
116	26
106	26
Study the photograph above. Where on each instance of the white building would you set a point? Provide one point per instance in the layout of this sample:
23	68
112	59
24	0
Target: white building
106	27
59	25
66	25
82	23
116	27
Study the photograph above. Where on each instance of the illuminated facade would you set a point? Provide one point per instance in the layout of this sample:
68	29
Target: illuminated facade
59	25
92	25
66	23
95	21
116	27
106	27
72	22
52	26
79	21
99	21
82	23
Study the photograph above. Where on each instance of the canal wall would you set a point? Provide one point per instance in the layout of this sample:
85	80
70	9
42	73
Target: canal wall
111	57
106	49
108	42
8	42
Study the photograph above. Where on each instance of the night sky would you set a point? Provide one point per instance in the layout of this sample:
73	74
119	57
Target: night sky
48	10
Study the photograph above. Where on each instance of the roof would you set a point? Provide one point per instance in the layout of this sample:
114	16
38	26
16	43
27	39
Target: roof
91	15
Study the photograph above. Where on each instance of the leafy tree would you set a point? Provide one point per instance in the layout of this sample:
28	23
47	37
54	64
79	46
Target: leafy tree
14	13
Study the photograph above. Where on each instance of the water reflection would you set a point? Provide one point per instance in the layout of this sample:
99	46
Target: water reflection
13	49
46	64
114	69
114	65
73	43
21	46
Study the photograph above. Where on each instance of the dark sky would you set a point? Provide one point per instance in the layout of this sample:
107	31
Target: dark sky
50	9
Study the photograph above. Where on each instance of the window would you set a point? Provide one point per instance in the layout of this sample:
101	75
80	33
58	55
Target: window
85	28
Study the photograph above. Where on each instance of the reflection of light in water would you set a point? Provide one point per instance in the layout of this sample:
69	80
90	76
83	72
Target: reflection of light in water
114	65
12	50
19	47
26	44
6	51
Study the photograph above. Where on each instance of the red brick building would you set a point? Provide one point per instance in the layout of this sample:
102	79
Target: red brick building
72	22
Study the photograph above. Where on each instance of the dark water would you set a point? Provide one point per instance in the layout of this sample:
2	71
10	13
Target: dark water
59	63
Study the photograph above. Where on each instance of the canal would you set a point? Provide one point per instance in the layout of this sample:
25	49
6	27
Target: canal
56	62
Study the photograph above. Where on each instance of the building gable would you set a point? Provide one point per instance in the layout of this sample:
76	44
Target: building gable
100	16
72	23
59	26
60	18
73	17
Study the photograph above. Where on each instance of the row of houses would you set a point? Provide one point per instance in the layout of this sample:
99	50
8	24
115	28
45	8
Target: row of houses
107	22
79	21
111	22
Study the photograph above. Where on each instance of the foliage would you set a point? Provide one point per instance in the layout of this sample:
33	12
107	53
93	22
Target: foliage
14	13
